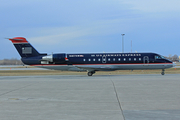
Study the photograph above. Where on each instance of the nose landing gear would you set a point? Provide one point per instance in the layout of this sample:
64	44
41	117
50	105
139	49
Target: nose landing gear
162	73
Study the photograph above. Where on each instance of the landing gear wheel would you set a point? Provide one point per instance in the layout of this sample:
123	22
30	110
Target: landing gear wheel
90	73
162	73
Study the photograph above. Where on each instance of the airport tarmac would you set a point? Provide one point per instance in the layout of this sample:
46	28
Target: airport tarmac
100	97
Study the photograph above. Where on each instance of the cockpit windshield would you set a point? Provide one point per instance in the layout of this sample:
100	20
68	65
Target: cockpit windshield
163	57
159	57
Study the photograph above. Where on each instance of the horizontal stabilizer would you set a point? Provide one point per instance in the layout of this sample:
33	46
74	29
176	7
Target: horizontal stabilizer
18	40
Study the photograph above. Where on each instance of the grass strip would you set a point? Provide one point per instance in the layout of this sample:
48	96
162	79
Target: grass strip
55	72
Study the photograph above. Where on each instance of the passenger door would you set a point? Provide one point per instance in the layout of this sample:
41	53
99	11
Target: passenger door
146	60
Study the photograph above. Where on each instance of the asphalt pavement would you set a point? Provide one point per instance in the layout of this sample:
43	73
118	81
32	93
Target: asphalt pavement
99	97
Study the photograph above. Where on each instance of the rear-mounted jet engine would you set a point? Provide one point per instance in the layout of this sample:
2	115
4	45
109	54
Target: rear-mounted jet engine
54	58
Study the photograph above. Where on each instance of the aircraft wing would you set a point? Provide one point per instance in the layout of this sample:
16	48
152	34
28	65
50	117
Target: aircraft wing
95	67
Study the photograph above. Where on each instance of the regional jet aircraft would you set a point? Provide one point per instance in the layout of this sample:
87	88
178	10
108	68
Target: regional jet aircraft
90	62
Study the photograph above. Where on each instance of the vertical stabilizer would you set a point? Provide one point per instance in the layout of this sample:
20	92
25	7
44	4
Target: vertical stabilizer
24	48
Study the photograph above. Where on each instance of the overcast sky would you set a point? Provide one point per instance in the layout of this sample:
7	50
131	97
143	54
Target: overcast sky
83	26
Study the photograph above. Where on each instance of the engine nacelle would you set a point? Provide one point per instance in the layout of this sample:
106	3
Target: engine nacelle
59	58
54	58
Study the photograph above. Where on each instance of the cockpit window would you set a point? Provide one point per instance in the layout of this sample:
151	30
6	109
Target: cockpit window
158	57
162	57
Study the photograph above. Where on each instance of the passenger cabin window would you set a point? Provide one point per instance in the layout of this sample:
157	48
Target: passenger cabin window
124	59
109	59
119	59
89	59
84	59
134	59
114	59
99	59
129	59
94	59
139	59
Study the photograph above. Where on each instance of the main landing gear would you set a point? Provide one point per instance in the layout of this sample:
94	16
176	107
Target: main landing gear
162	73
90	73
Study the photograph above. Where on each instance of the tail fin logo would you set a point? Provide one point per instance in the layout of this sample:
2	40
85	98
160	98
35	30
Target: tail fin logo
27	50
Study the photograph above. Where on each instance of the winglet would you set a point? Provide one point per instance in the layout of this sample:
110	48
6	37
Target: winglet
16	40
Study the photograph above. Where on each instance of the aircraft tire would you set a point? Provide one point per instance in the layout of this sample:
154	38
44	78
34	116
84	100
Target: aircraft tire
90	73
162	73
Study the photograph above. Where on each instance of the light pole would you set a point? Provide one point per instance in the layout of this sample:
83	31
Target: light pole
131	46
122	43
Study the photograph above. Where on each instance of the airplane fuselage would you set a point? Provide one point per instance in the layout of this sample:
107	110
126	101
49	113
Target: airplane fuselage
101	61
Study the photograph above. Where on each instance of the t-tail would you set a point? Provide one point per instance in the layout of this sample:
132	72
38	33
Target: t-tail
29	55
24	48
